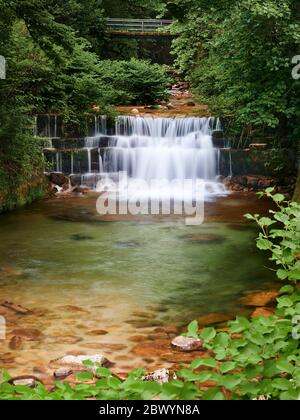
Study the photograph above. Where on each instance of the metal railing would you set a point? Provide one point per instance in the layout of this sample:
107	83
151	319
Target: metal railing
137	25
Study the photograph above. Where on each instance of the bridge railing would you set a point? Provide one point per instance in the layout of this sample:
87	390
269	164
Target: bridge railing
137	25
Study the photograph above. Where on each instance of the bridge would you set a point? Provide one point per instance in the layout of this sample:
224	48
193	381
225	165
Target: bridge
139	28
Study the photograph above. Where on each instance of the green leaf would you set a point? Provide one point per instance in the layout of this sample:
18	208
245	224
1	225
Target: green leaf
103	372
284	302
208	362
85	376
281	383
264	244
193	328
208	334
231	381
278	198
266	221
287	289
282	274
284	366
227	366
213	394
5	376
239	325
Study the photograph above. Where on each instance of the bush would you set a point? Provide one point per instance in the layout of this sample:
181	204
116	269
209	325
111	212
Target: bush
133	82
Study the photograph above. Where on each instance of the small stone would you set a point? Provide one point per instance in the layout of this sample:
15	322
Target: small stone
97	332
214	318
143	315
135	111
29	381
15	343
160	376
170	329
62	373
15	307
31	334
72	308
204	238
186	343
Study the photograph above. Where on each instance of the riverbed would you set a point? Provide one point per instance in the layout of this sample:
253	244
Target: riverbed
110	285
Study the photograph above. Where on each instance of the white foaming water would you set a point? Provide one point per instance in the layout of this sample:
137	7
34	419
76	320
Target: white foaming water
165	149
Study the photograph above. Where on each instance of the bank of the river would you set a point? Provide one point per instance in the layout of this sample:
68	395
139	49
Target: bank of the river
26	193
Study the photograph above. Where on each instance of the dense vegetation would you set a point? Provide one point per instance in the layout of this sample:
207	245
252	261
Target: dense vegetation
254	358
238	57
56	54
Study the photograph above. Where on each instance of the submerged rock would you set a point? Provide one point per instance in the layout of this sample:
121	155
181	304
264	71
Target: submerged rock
15	343
214	318
260	298
31	334
72	308
97	332
186	343
204	238
15	307
262	312
143	315
79	237
160	376
127	244
152	349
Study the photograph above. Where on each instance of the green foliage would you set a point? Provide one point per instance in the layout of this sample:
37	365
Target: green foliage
132	82
280	234
237	55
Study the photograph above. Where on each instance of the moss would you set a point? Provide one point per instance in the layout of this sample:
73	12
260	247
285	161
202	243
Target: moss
26	194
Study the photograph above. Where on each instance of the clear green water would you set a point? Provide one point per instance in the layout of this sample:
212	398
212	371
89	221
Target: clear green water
58	253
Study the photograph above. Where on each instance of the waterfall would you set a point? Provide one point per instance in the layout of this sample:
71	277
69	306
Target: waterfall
147	149
156	148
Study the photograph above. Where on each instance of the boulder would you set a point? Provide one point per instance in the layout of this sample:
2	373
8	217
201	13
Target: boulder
135	111
186	343
58	178
76	362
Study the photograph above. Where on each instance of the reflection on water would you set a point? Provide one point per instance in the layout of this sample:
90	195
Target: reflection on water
79	275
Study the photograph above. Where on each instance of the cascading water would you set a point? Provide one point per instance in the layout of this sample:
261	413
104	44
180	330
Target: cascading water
146	149
165	149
